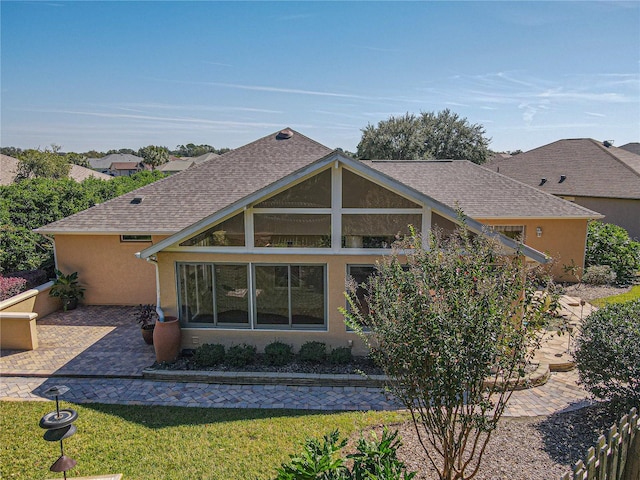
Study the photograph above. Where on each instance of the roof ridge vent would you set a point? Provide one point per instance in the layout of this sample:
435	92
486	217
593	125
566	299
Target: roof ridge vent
285	134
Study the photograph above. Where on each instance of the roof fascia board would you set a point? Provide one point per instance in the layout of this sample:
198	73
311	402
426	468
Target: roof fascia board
567	217
42	231
240	204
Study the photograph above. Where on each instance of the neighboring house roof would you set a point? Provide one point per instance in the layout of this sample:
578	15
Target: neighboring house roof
9	169
580	167
106	161
480	193
633	147
176	165
124	166
79	174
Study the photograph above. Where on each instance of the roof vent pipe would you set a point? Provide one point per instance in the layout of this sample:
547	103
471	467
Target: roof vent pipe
284	134
562	178
608	143
542	181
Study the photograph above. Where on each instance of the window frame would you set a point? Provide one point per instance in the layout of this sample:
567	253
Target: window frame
290	326
252	323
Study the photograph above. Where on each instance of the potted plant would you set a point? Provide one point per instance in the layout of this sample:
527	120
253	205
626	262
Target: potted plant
67	289
146	316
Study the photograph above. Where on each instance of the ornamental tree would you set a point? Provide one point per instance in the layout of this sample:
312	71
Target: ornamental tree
452	322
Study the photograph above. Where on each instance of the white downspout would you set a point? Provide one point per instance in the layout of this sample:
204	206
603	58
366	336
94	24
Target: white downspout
154	260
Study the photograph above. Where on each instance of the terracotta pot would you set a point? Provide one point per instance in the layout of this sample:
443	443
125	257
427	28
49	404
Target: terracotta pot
166	339
147	334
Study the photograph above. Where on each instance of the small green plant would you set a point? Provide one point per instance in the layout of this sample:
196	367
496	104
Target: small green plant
322	460
340	356
599	275
608	354
314	352
378	459
278	353
209	355
240	355
67	289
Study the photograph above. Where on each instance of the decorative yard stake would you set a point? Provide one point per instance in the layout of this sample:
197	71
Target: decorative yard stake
59	425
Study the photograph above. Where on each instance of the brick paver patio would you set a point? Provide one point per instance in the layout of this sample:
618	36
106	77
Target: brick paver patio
98	352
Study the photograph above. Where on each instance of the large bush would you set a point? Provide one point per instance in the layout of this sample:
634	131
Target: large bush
609	244
34	202
608	354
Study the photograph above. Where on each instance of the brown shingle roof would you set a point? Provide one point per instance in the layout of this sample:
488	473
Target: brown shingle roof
481	193
174	203
124	166
9	169
591	169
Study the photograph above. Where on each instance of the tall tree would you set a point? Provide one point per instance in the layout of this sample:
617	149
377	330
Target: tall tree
440	136
154	155
454	333
45	163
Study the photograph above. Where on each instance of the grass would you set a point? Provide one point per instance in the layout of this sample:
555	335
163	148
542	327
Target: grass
151	442
633	294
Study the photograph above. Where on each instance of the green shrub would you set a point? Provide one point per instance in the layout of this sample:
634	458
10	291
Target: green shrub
278	353
340	356
611	245
314	352
240	355
209	355
599	275
608	354
372	460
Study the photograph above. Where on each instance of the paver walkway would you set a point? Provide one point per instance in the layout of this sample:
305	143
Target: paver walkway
98	352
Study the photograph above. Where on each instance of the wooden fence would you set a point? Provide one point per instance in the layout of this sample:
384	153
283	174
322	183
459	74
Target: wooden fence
615	457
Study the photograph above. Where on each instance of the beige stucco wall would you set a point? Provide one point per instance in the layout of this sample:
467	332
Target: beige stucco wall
35	300
335	335
562	239
619	211
107	268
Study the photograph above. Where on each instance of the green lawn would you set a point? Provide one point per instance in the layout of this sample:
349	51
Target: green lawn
144	442
633	294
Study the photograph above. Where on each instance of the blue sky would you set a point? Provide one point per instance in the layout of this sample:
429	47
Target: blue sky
108	75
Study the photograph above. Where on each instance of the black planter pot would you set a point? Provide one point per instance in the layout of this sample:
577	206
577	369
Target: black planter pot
69	304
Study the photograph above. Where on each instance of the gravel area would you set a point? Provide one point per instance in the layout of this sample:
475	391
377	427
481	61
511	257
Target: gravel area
591	292
538	448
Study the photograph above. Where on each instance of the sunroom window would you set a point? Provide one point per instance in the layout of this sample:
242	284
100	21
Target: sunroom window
214	294
230	232
292	230
376	230
358	192
314	192
290	296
